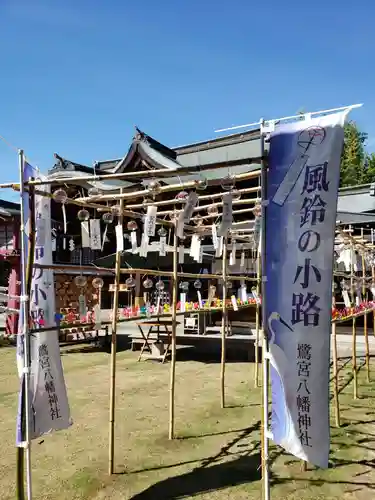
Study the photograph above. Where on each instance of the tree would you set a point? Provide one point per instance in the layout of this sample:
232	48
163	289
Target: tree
355	163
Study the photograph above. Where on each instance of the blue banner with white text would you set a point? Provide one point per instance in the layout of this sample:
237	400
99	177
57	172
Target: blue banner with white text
303	181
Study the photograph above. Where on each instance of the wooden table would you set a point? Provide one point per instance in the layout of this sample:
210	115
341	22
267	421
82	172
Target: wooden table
155	327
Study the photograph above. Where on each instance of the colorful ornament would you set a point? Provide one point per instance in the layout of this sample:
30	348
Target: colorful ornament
184	286
228	183
94	191
182	196
213	210
159	285
130	282
201	183
154	187
162	231
197	284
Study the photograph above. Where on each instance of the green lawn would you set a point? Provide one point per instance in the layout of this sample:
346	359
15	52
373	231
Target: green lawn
216	455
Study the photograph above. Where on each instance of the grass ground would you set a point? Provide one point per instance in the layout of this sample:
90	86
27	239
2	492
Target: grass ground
216	455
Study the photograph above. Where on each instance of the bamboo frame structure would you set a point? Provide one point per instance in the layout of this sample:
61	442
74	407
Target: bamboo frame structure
113	359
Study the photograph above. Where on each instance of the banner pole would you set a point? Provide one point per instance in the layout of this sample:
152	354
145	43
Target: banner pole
25	326
265	347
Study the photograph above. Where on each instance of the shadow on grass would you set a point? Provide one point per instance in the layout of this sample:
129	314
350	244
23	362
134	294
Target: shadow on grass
90	346
205	479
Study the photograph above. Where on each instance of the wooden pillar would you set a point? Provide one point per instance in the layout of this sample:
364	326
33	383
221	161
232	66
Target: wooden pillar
138	299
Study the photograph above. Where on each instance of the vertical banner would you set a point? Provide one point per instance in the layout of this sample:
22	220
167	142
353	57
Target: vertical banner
48	397
303	181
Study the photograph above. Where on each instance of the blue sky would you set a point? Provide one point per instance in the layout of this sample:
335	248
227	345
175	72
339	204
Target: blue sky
78	75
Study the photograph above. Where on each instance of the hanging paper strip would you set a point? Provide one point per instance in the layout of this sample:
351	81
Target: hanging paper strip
232	257
181	254
163	243
346	298
82	306
242	261
183	302
234	303
85	234
40	227
95	235
133	241
97	316
303	181
200	299
150	220
200	255
215	240
243	293
186	214
227	217
144	245
119	238
219	250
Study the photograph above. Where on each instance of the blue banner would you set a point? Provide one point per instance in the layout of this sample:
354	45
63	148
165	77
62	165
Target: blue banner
303	182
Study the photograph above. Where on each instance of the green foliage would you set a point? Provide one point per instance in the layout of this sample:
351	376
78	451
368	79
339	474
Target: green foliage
357	166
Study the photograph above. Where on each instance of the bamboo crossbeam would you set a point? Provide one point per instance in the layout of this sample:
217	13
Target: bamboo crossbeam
154	272
165	189
205	197
150	173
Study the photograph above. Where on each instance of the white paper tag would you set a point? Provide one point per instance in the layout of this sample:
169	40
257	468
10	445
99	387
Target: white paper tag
133	241
195	246
242	261
40	232
97	317
357	301
200	299
85	235
211	294
183	302
373	292
150	220
163	242
234	303
158	304
215	241
53	244
181	254
82	306
95	235
346	298
119	238
227	217
232	256
219	250
243	293
200	256
144	246
191	202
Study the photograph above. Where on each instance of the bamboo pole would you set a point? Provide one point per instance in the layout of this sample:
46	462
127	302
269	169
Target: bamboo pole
164	189
113	358
373	277
180	172
365	329
257	325
205	197
173	339
104	270
224	321
335	368
354	326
